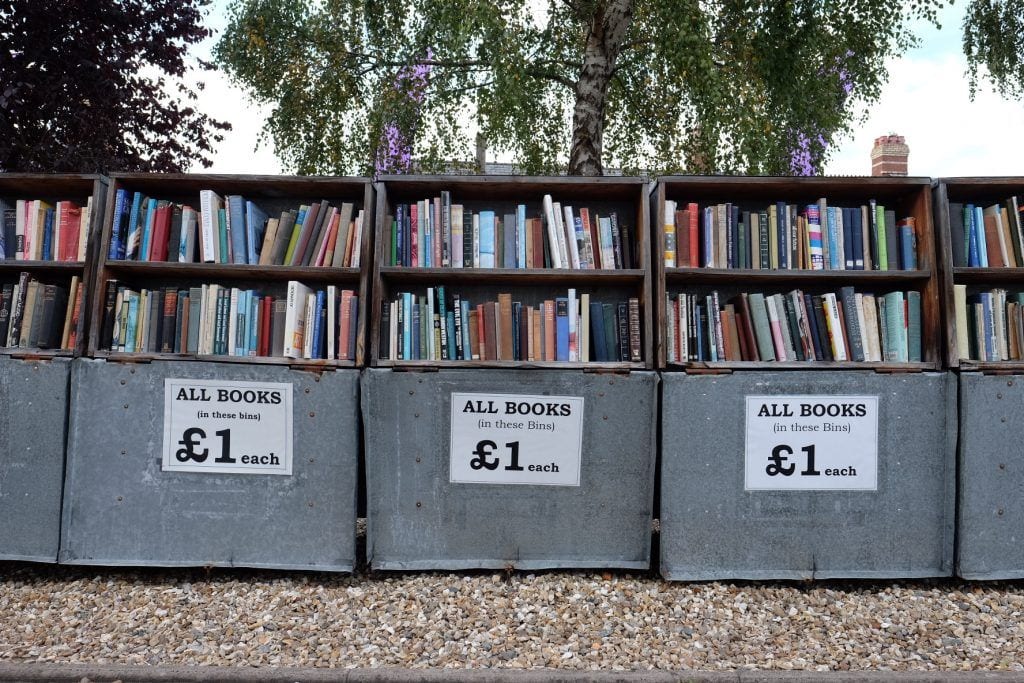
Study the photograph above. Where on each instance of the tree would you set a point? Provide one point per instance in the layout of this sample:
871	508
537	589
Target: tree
84	86
759	86
994	45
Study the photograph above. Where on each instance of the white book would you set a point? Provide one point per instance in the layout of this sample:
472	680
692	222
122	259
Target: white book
670	329
835	329
233	321
553	233
33	230
457	236
683	329
873	351
431	353
295	319
58	215
307	339
357	240
861	320
841	241
209	204
83	230
570	238
332	322
607	248
19	230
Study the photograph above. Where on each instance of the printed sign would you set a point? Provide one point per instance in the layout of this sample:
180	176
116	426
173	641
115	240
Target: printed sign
516	439
812	443
224	427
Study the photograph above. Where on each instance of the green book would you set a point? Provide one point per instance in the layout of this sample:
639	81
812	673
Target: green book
914	326
896	346
762	330
222	232
296	231
880	238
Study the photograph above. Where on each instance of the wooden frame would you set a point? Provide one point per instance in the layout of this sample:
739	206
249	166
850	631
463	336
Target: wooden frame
911	196
498	191
273	192
980	191
53	188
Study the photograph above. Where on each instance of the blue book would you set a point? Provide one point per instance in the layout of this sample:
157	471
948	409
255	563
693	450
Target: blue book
134	236
597	331
407	326
833	238
116	251
417	324
973	260
254	327
147	230
133	322
255	225
466	344
989	326
47	250
486	239
521	234
858	239
979	228
318	324
451	334
709	226
241	306
698	331
236	227
908	248
561	328
427	245
508	247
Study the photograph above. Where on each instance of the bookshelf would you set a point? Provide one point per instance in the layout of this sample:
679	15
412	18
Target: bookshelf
982	192
272	194
52	189
503	195
906	197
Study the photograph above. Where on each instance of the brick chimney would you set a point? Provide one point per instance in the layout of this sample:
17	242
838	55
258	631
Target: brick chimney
889	156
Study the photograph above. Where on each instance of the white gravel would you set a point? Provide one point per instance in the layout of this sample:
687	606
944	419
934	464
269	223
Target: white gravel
564	620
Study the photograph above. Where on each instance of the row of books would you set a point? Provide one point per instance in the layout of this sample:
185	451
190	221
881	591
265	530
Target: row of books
40	315
787	236
35	230
231	229
211	319
434	326
796	326
434	233
989	324
987	237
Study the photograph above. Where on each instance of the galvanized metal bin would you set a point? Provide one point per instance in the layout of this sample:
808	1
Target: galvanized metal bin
713	528
990	499
418	519
33	426
122	508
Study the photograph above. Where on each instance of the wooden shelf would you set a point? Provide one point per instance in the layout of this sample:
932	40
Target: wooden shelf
271	193
71	267
513	276
988	276
1001	367
729	366
775	277
625	195
33	354
907	196
145	357
507	364
234	271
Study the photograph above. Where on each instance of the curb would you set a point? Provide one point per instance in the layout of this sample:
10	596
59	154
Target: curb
103	673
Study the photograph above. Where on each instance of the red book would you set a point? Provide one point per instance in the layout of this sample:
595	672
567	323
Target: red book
266	313
480	333
595	244
70	226
161	233
76	311
694	248
346	323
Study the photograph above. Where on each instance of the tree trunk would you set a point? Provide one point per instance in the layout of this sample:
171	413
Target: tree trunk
604	39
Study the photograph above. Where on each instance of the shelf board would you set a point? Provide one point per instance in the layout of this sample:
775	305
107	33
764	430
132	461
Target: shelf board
160	269
42	266
987	275
32	354
763	276
508	364
125	357
518	276
1015	367
728	366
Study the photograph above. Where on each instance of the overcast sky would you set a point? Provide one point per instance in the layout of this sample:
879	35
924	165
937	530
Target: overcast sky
926	101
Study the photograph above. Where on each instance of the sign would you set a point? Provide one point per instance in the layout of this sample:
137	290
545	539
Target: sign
227	427
516	439
811	443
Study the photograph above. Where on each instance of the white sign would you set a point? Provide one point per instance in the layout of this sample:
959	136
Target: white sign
227	427
516	439
812	443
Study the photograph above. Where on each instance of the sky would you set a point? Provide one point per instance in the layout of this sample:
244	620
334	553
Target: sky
926	100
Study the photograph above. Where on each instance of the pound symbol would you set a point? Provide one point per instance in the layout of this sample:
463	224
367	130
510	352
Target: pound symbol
190	439
776	460
483	449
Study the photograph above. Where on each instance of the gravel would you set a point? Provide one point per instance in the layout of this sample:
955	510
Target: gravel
562	620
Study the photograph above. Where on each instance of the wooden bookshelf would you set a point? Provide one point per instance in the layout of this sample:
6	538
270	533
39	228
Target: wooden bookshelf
52	188
907	196
625	196
273	194
983	192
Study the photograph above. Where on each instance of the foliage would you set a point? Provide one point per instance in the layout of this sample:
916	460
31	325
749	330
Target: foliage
694	85
994	45
83	86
